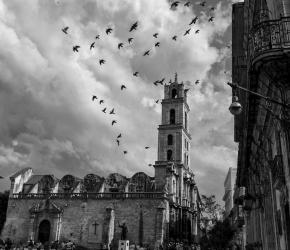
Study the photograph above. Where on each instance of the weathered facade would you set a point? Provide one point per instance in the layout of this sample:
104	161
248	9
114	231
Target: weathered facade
261	63
89	210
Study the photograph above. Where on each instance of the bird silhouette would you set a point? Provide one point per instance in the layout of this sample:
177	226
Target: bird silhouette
157	44
101	101
102	61
146	53
112	112
155	35
147	147
125	152
174	38
120	45
157	101
136	73
150	165
134	26
211	19
212	9
197	82
94	97
187	4
65	29
108	31
113	122
174	4
76	48
197	31
123	87
104	110
130	39
187	32
97	36
119	136
156	83
203	3
92	45
118	142
161	81
193	21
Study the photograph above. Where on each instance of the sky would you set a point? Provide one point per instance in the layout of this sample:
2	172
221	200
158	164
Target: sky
48	120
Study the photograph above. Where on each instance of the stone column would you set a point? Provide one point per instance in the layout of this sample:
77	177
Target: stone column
32	227
159	226
108	226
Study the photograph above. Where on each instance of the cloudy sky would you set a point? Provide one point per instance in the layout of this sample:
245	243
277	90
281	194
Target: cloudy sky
47	118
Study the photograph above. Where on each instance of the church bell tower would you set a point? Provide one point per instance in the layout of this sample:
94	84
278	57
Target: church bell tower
173	136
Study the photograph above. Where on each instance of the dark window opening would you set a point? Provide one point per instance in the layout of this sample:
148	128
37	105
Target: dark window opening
185	116
172	116
169	155
170	140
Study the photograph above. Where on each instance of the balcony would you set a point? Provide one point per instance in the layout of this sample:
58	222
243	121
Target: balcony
269	40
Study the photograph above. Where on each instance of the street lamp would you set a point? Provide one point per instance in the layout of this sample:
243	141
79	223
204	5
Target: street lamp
236	107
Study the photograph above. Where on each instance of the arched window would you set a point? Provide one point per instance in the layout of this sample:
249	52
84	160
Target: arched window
169	155
185	119
170	140
172	116
174	93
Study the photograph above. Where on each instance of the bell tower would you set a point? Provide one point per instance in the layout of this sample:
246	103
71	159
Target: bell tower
173	135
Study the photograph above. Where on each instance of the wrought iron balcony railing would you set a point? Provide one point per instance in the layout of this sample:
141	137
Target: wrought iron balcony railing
94	196
269	37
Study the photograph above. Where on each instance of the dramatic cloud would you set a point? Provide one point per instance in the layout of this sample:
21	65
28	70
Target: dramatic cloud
48	119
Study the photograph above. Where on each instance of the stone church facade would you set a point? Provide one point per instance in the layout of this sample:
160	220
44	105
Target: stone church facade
91	210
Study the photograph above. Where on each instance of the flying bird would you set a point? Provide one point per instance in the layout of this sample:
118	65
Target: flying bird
101	101
104	110
174	4
92	45
193	21
134	26
157	101
102	61
156	83
119	136
97	36
212	9
120	45
146	53
197	82
112	112
94	97
211	19
157	44
113	122
136	73
76	48
109	30
123	87
147	147
187	32
155	35
174	38
197	31
65	29
125	152
203	3
130	39
161	81
118	142
150	165
187	4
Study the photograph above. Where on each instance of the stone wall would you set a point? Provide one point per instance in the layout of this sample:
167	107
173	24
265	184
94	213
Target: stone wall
90	223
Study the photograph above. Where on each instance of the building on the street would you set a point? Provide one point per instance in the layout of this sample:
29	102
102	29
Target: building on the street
94	211
229	185
261	63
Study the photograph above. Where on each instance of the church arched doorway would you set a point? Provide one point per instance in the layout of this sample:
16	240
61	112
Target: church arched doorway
44	231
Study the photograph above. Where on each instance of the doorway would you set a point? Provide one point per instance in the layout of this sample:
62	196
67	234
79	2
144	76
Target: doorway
44	231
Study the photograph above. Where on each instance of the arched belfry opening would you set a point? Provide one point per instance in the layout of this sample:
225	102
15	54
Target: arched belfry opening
174	93
169	155
170	140
44	231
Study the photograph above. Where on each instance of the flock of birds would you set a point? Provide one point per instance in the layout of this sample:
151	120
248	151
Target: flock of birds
130	40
